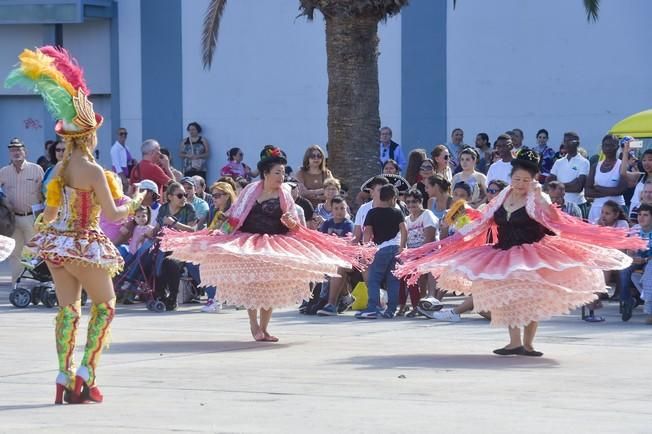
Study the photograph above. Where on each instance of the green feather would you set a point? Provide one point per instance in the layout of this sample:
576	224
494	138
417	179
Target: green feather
57	100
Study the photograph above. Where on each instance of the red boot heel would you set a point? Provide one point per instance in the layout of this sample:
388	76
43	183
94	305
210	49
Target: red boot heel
58	399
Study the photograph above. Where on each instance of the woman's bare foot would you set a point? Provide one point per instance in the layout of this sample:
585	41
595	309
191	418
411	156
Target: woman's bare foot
258	335
269	338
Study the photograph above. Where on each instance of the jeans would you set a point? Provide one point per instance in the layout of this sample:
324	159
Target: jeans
625	281
211	291
381	268
643	282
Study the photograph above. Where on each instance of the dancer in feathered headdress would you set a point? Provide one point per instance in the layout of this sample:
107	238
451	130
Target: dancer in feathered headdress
69	238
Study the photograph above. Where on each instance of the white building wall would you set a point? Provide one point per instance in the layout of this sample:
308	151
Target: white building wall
532	64
268	83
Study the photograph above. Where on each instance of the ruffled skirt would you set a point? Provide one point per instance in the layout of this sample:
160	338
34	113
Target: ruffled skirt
259	270
88	248
530	282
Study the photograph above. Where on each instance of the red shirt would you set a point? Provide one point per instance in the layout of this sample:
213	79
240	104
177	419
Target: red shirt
145	169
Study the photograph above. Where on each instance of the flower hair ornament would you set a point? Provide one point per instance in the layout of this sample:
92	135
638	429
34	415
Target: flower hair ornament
270	151
527	157
57	77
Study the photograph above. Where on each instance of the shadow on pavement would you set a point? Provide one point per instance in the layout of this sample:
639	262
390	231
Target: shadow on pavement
24	407
169	347
449	361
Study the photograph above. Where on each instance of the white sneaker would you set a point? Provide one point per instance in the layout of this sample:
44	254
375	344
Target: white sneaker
446	315
211	306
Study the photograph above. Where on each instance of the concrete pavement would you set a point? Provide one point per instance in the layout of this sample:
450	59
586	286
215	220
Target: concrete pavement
189	371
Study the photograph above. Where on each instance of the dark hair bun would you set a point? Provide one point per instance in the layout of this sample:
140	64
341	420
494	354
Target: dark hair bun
270	156
527	159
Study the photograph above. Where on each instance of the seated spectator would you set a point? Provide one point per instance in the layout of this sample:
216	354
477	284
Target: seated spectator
312	174
391	167
502	168
613	215
422	227
557	192
200	205
340	225
440	199
645	197
324	210
426	170
474	179
635	178
639	264
153	166
441	159
194	151
177	173
412	173
461	191
606	180
493	188
303	206
235	168
143	230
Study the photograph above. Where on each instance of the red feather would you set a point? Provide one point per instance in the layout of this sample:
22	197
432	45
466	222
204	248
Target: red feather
68	66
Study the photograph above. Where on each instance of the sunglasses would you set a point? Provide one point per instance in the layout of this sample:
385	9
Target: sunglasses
409	201
218	195
447	157
59	149
493	190
316	156
122	134
426	168
181	195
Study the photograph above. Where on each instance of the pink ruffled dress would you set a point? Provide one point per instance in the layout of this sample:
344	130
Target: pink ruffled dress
542	262
268	269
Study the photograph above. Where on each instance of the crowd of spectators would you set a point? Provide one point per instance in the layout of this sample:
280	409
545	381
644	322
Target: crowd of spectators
412	192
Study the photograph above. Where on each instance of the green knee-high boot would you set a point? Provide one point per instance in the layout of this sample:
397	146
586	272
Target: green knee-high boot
65	331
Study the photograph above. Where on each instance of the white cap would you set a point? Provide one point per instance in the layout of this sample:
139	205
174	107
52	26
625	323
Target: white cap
148	184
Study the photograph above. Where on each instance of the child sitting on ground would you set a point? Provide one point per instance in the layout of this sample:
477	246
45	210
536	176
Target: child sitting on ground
385	226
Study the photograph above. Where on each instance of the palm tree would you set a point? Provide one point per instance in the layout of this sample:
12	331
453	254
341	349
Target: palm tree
352	64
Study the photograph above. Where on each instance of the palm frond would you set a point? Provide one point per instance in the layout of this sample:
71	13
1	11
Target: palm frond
454	3
592	8
211	29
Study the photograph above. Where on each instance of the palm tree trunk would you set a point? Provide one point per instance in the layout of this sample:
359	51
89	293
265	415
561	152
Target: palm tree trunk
353	116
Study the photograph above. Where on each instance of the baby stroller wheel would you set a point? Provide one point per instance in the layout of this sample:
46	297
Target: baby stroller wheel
84	297
158	306
20	297
50	299
150	304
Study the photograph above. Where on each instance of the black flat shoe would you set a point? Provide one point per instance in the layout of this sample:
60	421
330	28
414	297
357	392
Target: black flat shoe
627	310
509	352
532	353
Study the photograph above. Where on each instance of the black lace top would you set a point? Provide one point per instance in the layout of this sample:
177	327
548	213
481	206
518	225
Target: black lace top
265	218
519	229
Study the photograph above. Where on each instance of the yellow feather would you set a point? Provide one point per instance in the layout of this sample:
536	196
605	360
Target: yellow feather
53	193
37	65
114	186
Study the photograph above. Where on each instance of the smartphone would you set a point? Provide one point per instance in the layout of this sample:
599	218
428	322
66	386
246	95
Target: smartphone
635	144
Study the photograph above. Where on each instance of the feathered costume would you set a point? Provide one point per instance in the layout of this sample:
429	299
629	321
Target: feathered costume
517	280
75	235
261	270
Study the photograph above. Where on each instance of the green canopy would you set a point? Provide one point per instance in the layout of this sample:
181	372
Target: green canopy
638	125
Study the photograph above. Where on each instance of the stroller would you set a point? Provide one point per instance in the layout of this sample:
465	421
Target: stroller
43	292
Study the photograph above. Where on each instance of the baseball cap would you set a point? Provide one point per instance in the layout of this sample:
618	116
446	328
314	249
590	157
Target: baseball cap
148	184
15	143
187	180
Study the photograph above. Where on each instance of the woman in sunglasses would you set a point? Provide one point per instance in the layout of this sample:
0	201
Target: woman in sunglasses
177	213
312	174
426	170
55	154
441	158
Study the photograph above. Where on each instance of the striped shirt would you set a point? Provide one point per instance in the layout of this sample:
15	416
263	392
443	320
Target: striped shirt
23	186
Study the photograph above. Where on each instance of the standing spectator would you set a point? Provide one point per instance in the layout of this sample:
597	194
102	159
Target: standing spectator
455	147
557	192
21	183
389	149
637	179
483	146
426	170
546	153
391	167
412	173
605	181
385	226
46	161
154	165
312	174
200	205
441	158
516	135
502	168
235	168
561	153
194	151
572	170
121	158
55	154
475	180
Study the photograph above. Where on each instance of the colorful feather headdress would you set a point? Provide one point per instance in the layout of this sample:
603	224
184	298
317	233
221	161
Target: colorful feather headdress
57	77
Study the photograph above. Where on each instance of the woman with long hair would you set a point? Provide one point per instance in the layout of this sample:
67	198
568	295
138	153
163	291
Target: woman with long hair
441	158
415	159
55	154
312	174
261	258
541	263
69	238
